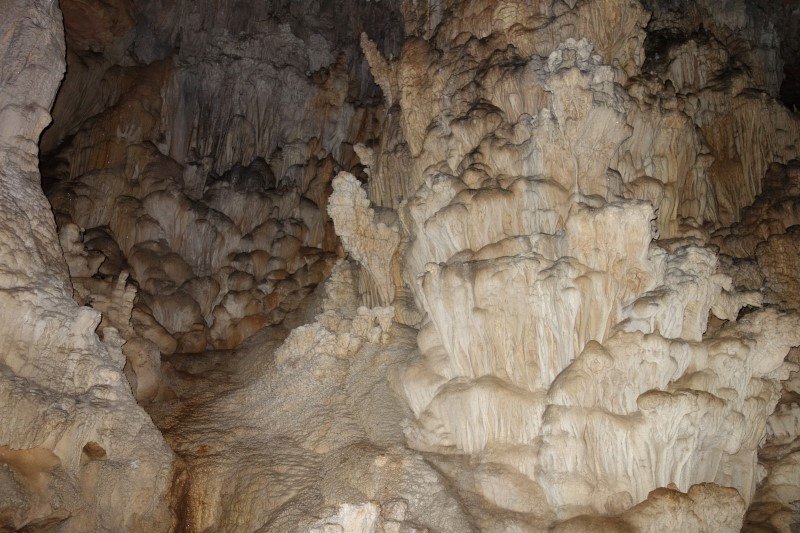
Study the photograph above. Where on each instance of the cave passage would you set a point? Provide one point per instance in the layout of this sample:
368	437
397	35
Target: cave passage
390	266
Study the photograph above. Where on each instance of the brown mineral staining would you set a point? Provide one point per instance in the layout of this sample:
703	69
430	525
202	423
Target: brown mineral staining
93	451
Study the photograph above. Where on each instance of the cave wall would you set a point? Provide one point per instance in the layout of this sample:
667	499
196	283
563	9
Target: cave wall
190	157
74	442
399	266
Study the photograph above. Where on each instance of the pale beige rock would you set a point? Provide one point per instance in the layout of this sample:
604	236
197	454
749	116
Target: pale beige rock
60	386
530	227
704	507
338	456
569	298
370	237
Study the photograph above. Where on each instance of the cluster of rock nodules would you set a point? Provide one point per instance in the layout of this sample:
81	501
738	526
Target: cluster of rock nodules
761	253
547	205
191	154
210	271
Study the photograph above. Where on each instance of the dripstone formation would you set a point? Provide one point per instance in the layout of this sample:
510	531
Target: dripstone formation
399	266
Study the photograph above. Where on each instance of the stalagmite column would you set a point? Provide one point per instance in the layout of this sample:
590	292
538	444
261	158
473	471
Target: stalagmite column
76	449
554	234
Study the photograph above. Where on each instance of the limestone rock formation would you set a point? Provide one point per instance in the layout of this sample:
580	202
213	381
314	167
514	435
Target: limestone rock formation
215	206
77	453
559	247
318	443
368	239
399	266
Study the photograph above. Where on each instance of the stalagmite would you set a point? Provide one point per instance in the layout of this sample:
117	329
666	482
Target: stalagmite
61	387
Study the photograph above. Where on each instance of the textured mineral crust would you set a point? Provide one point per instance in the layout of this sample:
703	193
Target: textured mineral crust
359	266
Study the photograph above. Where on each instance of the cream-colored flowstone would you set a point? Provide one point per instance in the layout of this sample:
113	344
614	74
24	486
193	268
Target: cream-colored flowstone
367	238
76	451
310	438
556	238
